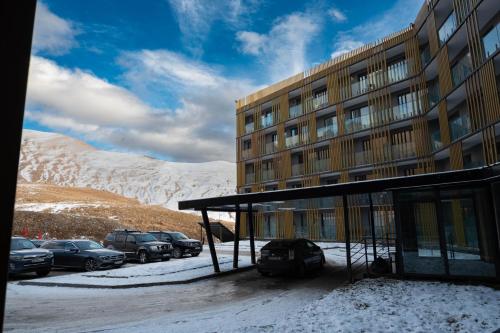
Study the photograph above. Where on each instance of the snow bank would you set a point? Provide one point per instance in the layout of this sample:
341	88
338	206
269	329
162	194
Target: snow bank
382	305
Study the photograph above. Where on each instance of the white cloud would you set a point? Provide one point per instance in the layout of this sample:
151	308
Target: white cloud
337	15
200	129
52	34
196	17
283	50
396	18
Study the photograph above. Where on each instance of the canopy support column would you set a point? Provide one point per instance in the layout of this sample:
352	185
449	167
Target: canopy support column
210	239
236	237
250	231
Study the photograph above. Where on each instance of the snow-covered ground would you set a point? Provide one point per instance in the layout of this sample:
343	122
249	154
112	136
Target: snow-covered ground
61	160
156	272
58	207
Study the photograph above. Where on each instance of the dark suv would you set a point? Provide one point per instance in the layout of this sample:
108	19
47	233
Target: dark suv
290	256
26	257
181	243
138	245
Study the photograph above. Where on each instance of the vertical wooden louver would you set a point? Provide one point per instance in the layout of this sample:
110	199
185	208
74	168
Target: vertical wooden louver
412	55
332	85
474	39
475	103
380	106
432	34
444	128
490	92
456	157
489	146
444	73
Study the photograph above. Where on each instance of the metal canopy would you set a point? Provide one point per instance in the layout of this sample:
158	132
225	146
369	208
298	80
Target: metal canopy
239	203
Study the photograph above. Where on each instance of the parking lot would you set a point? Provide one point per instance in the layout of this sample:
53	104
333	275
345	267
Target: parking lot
45	309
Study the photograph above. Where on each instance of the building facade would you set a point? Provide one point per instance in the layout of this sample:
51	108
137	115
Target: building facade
422	100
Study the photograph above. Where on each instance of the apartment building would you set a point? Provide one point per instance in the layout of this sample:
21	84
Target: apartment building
422	100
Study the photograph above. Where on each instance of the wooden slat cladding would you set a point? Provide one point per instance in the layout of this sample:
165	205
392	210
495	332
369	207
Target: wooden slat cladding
333	88
283	165
475	103
308	154
240	124
344	83
444	128
445	83
456	156
240	174
307	98
380	105
256	117
489	146
340	118
377	70
276	110
335	154
474	39
284	107
432	34
304	129
490	92
380	144
425	165
412	55
347	156
280	131
462	8
421	136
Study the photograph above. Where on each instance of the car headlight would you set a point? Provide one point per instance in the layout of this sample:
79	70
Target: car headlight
50	255
16	257
153	248
104	257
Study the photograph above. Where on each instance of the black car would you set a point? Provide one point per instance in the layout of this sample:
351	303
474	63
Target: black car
26	257
181	243
138	245
83	254
290	256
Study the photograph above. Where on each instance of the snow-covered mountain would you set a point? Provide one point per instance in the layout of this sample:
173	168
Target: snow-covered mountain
61	160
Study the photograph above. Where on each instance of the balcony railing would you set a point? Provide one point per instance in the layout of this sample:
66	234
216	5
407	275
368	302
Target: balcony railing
268	175
436	142
491	41
321	165
398	71
405	110
403	150
425	56
249	178
271	147
363	157
297	169
295	111
249	128
459	127
448	28
326	132
357	124
247	153
266	121
461	70
359	88
320	100
292	141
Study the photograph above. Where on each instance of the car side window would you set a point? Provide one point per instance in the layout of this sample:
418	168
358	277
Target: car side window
51	245
130	239
69	246
310	244
110	237
166	237
120	237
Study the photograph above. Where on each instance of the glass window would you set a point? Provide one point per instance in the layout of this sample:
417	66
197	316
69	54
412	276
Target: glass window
448	28
491	40
21	244
461	69
130	239
70	246
120	237
459	124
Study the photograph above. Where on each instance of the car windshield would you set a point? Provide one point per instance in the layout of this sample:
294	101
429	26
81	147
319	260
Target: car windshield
21	244
178	235
279	244
145	238
88	245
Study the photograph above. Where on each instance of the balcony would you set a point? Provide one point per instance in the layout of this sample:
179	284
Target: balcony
491	41
247	153
249	178
363	157
398	71
403	150
295	111
425	55
271	147
249	128
320	100
326	132
321	165
357	124
292	141
297	169
404	110
359	88
436	142
266	120
268	175
461	70
459	126
447	29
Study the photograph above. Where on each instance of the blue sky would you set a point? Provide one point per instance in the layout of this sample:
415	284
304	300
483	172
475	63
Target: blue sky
160	77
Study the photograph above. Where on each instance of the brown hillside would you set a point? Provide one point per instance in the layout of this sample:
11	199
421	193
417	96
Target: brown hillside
66	212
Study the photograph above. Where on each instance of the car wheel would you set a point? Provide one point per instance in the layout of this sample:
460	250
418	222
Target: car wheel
143	257
194	254
43	272
177	253
90	265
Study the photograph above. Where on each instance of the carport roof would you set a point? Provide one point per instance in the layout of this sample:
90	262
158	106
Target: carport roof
231	203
